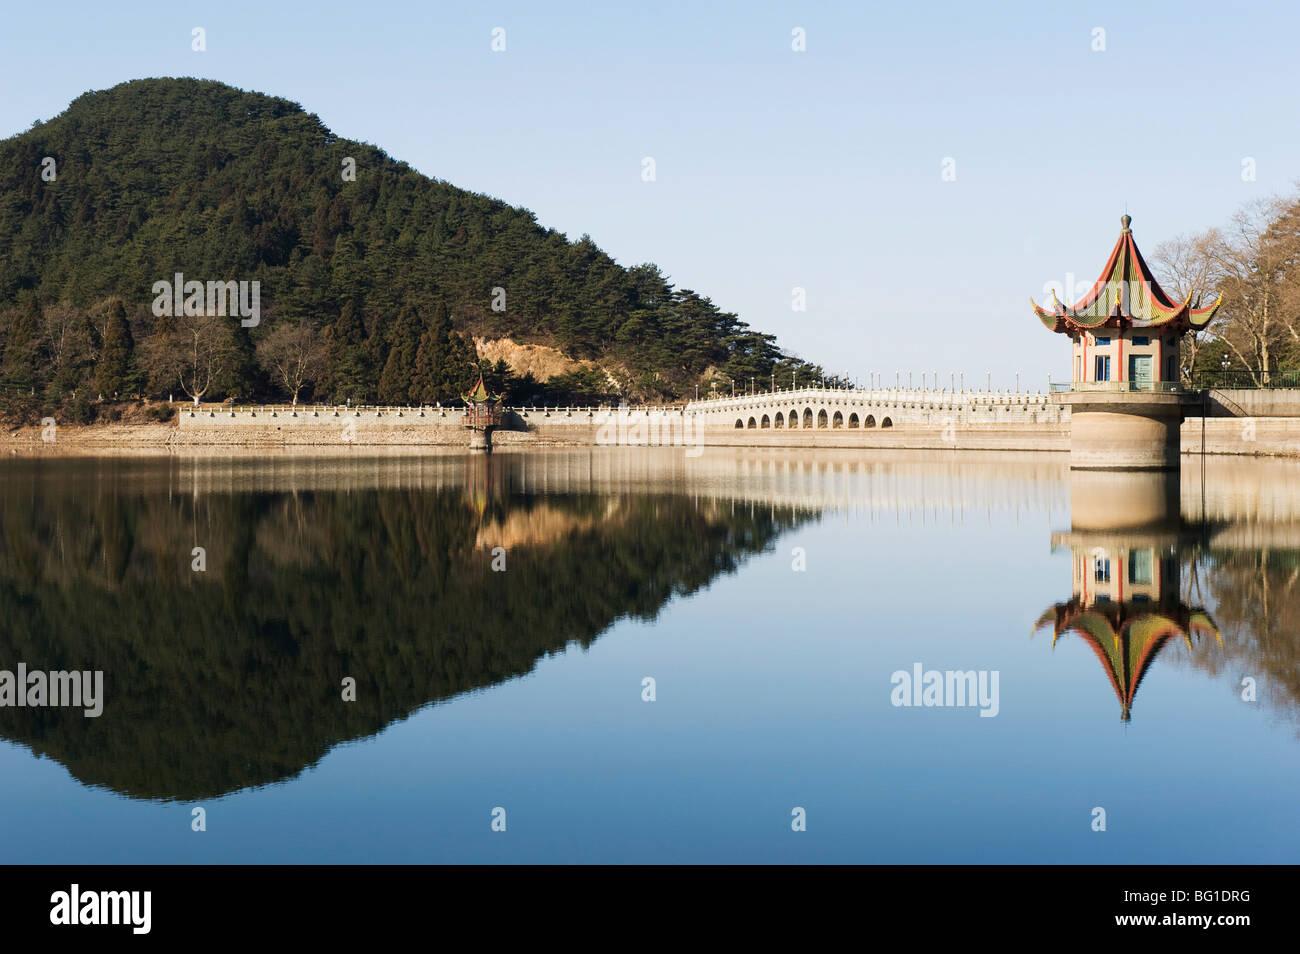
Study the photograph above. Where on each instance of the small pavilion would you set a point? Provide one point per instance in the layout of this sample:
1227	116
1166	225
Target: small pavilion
1126	329
1126	397
483	413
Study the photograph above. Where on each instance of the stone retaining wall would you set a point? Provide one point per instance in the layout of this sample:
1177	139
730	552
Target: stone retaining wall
312	427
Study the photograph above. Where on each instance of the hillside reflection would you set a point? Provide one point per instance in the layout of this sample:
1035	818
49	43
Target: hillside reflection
230	678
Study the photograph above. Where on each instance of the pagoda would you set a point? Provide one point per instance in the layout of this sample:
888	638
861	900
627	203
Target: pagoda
1128	547
482	414
1126	398
1127	637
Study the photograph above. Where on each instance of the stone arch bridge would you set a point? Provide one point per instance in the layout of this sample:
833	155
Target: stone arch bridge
882	408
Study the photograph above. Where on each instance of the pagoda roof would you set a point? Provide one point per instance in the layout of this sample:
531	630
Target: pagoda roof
1126	295
478	394
1126	638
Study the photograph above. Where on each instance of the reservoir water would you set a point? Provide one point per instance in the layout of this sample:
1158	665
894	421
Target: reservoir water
639	655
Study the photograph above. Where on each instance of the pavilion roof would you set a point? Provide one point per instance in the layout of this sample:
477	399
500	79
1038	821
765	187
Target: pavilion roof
478	394
1126	295
1126	638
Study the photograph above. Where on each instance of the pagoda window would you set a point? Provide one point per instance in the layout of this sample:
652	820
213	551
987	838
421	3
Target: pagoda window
1103	342
1140	567
1102	367
1101	570
1141	341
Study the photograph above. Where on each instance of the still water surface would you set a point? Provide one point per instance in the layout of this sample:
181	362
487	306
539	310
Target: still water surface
770	595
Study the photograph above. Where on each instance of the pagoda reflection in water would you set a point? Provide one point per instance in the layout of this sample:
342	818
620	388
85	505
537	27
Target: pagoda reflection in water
1128	546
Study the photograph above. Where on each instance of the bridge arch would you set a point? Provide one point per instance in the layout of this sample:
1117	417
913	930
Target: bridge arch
821	418
886	422
853	420
765	422
870	421
807	417
752	424
778	421
739	424
838	419
794	417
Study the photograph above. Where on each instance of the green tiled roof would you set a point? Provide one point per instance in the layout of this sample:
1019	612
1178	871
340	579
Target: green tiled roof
1127	294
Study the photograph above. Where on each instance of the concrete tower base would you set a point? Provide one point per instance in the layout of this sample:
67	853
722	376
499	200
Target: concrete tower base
480	440
1121	501
1126	430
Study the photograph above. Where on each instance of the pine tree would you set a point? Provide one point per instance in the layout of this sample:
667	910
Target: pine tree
22	345
399	369
113	371
349	374
431	358
460	370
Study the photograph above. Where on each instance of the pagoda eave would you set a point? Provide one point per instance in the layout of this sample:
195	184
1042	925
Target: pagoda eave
1177	324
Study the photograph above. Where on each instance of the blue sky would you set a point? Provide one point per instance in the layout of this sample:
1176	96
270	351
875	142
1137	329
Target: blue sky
775	169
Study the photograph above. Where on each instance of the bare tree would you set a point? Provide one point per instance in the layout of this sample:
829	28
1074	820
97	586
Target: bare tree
68	336
1188	266
194	350
294	354
1257	254
1284	234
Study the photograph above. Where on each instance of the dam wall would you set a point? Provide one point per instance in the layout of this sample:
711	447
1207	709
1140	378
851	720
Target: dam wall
919	428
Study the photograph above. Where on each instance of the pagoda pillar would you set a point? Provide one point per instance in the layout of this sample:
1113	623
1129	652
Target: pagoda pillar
1126	430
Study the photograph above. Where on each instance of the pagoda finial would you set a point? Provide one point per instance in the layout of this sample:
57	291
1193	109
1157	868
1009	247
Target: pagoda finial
1125	221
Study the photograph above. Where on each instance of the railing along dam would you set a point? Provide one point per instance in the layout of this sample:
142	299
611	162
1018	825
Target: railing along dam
831	408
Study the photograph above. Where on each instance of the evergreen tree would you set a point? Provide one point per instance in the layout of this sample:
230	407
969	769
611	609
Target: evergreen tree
432	357
114	372
349	370
461	368
19	367
399	369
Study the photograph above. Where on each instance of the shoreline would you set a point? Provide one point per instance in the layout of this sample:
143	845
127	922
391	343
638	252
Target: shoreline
1255	437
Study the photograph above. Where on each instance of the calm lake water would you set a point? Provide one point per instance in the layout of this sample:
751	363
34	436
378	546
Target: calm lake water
1142	641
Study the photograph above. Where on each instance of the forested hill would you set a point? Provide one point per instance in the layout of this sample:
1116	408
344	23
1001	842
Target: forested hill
160	176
